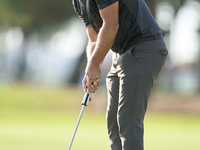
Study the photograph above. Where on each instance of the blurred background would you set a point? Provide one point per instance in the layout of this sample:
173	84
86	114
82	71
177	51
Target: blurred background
42	62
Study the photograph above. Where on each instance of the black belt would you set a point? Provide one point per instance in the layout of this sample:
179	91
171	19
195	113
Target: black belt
143	39
150	38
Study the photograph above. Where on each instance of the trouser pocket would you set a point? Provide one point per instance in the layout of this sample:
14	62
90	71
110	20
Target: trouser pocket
163	52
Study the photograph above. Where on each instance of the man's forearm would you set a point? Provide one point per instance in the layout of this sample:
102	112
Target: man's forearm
90	48
104	42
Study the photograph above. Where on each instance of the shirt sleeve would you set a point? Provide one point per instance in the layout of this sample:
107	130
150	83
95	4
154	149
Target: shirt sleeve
86	23
104	3
77	9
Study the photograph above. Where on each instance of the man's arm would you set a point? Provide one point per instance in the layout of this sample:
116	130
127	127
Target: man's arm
104	42
107	33
92	39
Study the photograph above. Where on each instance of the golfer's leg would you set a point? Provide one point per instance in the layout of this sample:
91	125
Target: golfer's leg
113	92
139	71
130	123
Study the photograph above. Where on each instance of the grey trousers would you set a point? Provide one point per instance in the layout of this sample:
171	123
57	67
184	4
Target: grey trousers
129	85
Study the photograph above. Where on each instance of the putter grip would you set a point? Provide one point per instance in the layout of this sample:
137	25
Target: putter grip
86	99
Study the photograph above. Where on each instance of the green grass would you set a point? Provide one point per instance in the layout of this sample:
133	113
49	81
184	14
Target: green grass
33	118
51	131
172	132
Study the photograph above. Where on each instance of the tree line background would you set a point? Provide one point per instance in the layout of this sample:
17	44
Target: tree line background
42	18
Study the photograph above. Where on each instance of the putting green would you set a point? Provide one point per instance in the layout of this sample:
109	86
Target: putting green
45	118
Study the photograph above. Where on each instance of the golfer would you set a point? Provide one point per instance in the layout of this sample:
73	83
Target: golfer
128	28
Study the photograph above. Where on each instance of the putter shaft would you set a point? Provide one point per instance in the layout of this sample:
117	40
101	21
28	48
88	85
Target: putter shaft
84	103
79	118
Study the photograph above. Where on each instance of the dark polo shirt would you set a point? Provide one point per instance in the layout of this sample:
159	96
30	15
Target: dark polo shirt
135	20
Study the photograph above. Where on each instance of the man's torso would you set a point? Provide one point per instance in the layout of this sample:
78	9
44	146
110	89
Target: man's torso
135	20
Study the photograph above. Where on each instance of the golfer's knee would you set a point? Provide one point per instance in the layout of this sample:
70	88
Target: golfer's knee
130	126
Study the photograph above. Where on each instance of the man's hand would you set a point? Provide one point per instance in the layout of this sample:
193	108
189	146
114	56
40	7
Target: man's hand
91	78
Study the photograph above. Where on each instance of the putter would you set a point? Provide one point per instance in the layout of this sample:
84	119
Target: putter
84	103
